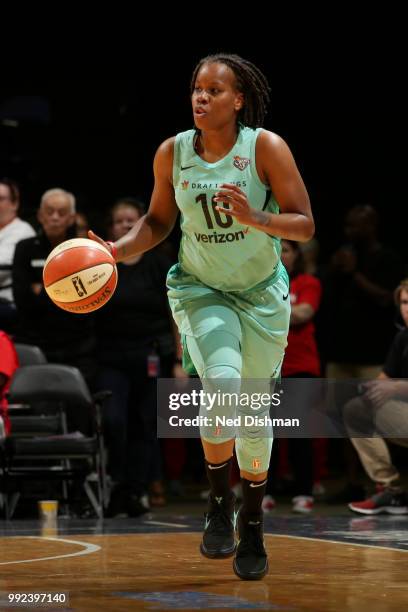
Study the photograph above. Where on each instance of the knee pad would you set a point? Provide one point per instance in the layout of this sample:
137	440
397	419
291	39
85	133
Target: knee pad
216	354
254	435
222	383
254	454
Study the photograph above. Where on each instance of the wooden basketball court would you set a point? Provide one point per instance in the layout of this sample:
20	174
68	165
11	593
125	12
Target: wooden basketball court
335	563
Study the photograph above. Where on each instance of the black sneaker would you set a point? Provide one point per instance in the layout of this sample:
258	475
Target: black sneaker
219	530
250	561
137	505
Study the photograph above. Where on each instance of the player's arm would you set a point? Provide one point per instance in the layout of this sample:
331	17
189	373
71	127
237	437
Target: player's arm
157	223
276	168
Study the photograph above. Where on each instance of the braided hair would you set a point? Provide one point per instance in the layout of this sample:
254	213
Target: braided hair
250	81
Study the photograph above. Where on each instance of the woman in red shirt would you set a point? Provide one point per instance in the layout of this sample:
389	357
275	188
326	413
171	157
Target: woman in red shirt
301	355
301	361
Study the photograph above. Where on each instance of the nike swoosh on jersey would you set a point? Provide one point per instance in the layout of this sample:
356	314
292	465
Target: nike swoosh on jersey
285	297
187	167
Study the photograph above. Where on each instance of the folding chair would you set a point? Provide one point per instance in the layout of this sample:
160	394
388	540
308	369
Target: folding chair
65	456
32	420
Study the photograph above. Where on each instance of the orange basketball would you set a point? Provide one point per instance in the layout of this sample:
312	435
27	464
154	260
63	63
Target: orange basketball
80	275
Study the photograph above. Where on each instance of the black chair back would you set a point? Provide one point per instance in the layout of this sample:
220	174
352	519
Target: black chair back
50	382
29	354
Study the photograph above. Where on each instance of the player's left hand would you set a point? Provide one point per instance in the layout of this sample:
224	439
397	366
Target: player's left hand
238	203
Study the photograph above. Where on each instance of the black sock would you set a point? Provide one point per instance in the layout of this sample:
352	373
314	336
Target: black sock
252	496
218	475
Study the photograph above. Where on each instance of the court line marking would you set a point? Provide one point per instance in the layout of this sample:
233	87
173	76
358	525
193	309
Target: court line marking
92	548
280	535
272	535
89	548
165	524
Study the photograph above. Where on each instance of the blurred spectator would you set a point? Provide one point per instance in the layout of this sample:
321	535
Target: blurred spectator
64	337
136	344
358	298
358	314
310	252
82	225
382	410
301	361
12	230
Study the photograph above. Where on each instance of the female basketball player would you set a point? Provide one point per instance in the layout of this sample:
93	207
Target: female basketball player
239	191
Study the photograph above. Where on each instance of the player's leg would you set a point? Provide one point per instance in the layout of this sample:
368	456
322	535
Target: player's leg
264	319
217	359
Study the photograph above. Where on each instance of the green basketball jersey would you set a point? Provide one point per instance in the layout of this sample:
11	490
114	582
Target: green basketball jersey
215	248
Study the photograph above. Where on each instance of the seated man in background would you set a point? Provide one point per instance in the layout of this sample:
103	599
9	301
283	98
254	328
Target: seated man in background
64	337
384	406
12	230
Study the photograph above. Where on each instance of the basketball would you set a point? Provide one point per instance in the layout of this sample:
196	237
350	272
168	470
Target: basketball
80	275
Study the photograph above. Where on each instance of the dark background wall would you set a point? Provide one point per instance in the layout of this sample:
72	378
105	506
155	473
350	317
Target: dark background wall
343	119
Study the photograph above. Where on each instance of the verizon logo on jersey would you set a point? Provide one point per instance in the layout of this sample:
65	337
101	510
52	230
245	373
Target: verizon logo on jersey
222	238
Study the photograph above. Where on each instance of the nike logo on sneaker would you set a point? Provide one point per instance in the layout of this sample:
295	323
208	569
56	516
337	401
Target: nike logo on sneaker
187	167
216	467
285	297
260	484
